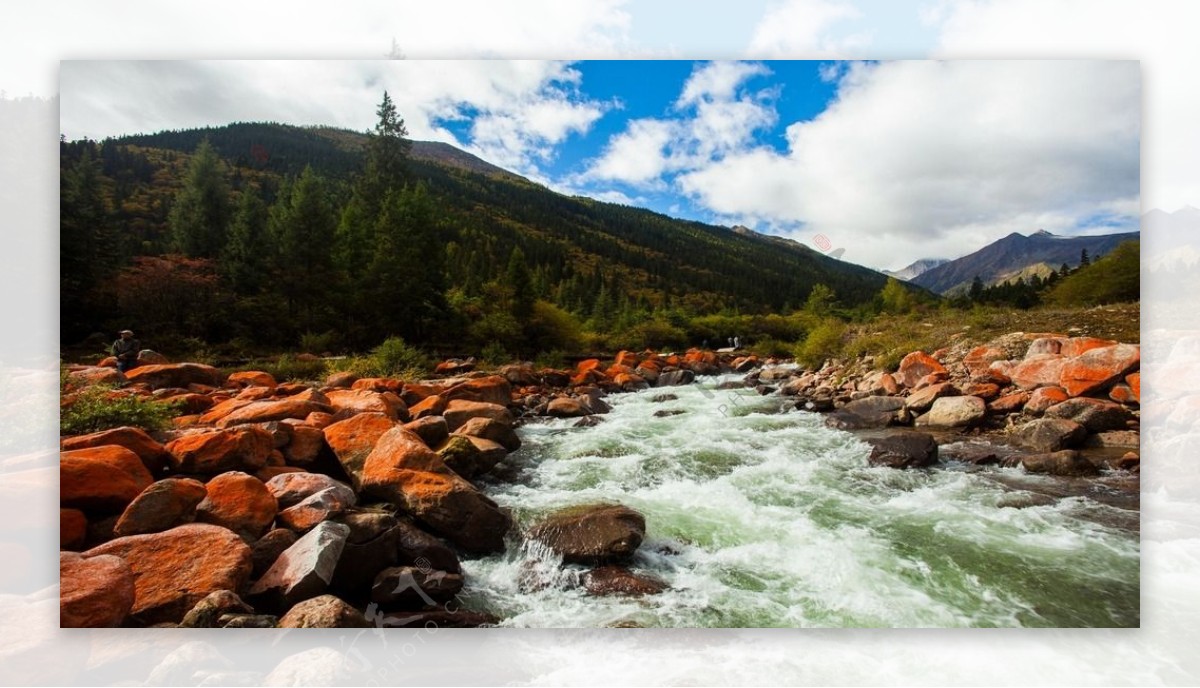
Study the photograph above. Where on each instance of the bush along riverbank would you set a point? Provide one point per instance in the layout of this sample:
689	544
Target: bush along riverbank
245	501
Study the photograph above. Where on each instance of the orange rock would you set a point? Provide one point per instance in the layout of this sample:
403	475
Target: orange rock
263	411
1077	346
72	529
175	569
460	411
917	365
250	378
983	390
305	445
1134	380
105	478
353	439
1038	371
1010	403
190	402
318	419
351	401
1122	393
412	393
341	379
161	506
108	362
218	451
152	454
238	502
255	393
630	381
95	375
978	359
223	408
429	406
175	375
94	592
379	384
627	358
492	389
587	365
1099	368
1043	398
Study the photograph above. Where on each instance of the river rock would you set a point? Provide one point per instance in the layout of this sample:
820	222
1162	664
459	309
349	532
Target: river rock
405	472
1050	434
315	508
492	389
219	451
72	529
1114	438
675	378
1039	370
917	365
348	402
161	506
268	410
267	549
103	479
415	547
618	580
209	610
920	401
1009	403
353	439
175	569
1067	462
290	489
1043	398
459	411
1097	368
410	586
239	502
175	375
469	456
431	429
94	592
869	412
903	449
591	533
566	407
494	430
954	412
325	611
1097	415
304	446
152	454
980	358
305	569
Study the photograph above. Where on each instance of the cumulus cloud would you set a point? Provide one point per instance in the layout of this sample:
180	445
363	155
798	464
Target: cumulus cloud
715	115
916	159
518	110
806	28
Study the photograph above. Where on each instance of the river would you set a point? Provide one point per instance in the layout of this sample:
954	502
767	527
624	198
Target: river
760	516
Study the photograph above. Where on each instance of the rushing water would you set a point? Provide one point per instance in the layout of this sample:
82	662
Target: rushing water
757	517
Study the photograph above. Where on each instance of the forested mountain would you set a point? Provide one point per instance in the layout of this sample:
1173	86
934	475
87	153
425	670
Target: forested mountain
1013	254
264	232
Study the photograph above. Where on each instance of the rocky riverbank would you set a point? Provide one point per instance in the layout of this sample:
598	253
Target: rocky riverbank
352	502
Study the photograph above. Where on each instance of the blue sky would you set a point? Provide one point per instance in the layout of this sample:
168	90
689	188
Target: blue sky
891	161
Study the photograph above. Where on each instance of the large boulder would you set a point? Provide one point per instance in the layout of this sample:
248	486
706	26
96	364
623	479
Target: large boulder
868	412
305	569
917	365
267	548
591	533
175	569
101	479
618	580
353	439
954	412
404	471
351	401
208	611
566	407
494	430
94	592
1043	398
1067	462
1038	371
72	529
175	375
903	449
675	378
469	456
276	409
152	454
920	400
290	489
1050	434
250	378
1098	368
431	429
161	506
218	451
325	611
979	359
304	445
1097	415
315	508
239	502
410	586
493	389
459	411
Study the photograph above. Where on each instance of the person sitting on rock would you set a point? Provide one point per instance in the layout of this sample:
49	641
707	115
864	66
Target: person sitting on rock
126	350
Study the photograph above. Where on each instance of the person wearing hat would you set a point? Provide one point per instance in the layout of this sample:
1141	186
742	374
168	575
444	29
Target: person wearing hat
126	350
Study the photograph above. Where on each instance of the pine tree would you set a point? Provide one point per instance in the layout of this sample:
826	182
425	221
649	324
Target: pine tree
976	292
248	253
303	224
89	250
821	300
1084	259
199	217
519	280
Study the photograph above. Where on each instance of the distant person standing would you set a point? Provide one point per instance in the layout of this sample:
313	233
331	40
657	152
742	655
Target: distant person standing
737	342
126	350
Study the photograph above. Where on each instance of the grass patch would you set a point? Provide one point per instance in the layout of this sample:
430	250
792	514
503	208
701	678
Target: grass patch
97	408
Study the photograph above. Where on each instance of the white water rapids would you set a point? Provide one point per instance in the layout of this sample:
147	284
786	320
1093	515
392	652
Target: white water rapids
757	517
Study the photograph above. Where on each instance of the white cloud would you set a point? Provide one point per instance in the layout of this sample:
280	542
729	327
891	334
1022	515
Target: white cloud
803	28
1158	33
519	110
716	115
917	159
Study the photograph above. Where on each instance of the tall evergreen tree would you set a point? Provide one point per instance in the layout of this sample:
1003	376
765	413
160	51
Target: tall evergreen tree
976	291
1084	259
89	251
249	251
521	283
303	224
199	217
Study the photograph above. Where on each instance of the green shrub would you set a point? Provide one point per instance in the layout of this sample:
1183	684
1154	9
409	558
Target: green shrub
551	359
289	368
324	342
93	410
822	343
494	354
771	347
395	357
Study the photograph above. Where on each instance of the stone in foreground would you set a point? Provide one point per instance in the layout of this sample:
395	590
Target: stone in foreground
592	533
